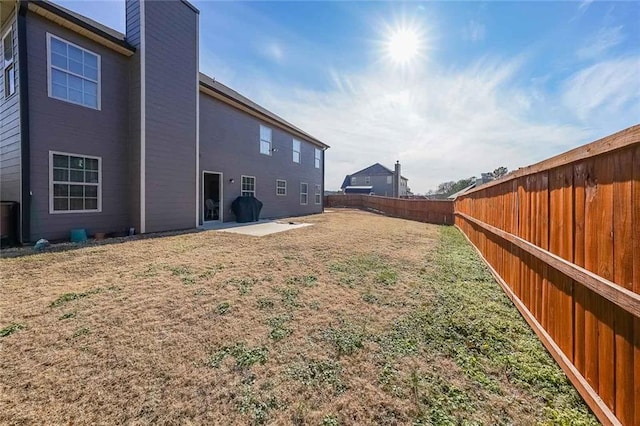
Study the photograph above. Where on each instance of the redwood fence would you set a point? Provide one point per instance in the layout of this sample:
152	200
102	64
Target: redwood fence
563	239
439	212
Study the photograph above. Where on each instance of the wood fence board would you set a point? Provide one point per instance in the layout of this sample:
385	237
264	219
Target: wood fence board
580	292
604	167
623	275
590	263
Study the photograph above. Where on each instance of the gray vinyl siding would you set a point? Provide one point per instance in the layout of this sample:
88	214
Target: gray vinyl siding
230	144
61	126
10	151
171	77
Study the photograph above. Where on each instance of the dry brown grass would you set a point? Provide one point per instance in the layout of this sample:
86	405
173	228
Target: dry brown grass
217	328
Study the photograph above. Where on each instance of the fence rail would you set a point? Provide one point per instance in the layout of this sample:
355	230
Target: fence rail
439	212
563	239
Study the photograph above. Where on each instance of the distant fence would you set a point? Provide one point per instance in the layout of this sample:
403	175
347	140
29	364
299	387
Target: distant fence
563	239
439	212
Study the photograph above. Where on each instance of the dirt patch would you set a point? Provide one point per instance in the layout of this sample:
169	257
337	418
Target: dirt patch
359	319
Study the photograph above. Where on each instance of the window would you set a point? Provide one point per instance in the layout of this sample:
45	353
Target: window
296	151
304	192
248	188
389	180
353	181
281	187
7	63
74	183
367	180
318	194
74	73
317	154
265	140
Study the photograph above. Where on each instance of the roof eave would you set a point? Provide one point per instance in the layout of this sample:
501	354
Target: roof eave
59	16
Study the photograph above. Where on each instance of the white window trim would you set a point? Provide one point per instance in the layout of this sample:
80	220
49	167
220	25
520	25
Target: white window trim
7	66
270	140
353	180
285	187
317	158
293	147
51	182
255	184
318	192
305	193
50	66
9	32
367	180
389	180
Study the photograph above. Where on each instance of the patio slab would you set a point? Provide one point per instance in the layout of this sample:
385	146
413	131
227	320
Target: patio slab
256	229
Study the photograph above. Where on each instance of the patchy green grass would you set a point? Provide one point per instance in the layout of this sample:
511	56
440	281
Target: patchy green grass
245	357
69	297
223	308
279	328
10	329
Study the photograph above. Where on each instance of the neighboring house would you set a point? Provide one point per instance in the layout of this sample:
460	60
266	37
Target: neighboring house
107	131
379	180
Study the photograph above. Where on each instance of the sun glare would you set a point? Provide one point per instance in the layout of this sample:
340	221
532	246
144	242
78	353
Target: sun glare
403	45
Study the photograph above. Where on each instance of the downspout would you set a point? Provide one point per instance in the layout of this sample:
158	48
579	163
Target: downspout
25	151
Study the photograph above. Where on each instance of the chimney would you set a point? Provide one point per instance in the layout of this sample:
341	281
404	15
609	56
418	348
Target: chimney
397	178
163	109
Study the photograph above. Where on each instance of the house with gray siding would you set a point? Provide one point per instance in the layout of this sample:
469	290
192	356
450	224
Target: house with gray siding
377	180
93	137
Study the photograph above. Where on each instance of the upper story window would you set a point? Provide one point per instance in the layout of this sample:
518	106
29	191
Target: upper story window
74	183
317	156
74	73
248	187
265	140
7	63
389	180
353	180
367	180
296	151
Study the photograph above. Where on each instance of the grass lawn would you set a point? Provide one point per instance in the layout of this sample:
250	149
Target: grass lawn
359	319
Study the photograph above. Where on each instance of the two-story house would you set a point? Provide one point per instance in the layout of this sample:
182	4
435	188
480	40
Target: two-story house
108	131
377	180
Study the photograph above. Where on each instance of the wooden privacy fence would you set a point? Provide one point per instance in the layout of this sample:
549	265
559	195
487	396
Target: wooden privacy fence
439	212
563	239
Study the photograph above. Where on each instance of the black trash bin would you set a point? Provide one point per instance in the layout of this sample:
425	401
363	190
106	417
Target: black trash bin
9	211
246	209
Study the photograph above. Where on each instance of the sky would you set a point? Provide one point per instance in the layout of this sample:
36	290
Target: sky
450	89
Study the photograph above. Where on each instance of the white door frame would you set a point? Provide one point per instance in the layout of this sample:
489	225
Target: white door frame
204	207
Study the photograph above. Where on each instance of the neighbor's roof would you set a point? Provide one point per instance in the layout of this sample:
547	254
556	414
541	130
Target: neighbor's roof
346	181
375	169
232	95
462	191
46	8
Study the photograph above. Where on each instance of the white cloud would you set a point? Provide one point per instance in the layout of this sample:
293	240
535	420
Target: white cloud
605	39
273	51
605	91
474	31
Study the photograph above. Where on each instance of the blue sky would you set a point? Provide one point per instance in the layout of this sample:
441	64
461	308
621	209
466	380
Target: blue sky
494	83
